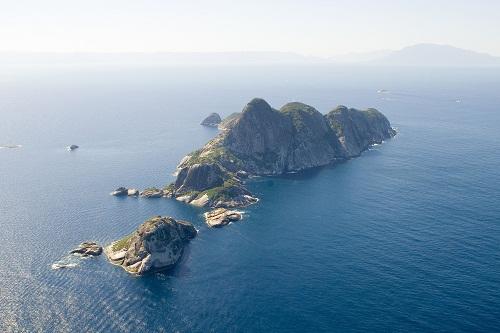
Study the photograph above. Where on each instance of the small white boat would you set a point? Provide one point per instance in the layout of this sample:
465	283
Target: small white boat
72	147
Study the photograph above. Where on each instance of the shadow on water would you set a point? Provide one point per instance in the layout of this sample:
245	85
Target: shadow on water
297	175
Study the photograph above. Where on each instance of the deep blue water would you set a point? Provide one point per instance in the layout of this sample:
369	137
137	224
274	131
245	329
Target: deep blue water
404	238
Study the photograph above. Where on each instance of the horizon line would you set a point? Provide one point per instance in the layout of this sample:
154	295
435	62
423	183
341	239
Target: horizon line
138	52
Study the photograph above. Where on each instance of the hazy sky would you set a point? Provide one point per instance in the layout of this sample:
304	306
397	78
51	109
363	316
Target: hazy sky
313	27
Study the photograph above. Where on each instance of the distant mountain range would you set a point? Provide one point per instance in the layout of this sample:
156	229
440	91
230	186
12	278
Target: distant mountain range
154	58
436	55
416	55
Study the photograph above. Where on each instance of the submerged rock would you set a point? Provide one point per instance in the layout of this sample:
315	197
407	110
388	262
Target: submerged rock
220	217
213	120
157	244
87	249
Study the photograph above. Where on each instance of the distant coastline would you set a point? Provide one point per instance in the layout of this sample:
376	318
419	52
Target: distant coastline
424	54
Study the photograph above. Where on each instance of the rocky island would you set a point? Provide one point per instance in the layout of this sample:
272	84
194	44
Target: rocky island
86	249
261	140
213	120
156	245
221	216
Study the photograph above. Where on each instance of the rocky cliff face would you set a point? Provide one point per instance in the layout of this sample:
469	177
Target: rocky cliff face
227	122
263	141
157	244
199	177
313	143
357	130
260	138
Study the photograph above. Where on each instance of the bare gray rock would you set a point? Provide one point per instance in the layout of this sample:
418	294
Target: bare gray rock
220	217
87	249
156	245
132	192
213	120
199	177
120	191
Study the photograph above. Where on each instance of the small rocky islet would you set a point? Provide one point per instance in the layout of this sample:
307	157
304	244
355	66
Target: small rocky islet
212	120
86	249
220	217
156	245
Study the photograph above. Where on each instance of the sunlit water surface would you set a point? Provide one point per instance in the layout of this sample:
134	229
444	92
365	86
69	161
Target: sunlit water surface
404	238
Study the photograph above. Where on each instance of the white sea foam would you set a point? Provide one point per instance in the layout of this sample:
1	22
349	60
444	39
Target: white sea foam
69	261
58	265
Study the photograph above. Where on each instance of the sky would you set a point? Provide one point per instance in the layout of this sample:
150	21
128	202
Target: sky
314	27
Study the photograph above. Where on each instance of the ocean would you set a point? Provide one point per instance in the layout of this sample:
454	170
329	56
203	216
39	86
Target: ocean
405	238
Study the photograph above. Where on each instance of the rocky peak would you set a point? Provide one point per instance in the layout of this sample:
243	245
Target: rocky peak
313	142
304	117
340	109
257	105
258	130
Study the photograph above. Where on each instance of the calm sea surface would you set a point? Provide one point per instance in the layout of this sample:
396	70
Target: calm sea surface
405	238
